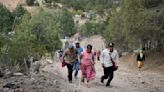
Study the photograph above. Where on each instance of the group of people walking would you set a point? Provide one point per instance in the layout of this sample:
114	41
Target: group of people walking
76	58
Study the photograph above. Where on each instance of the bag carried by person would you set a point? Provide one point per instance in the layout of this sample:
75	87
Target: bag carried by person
114	65
63	63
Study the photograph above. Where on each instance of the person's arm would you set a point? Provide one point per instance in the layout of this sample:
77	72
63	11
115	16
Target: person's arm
143	57
102	59
138	57
116	60
93	60
80	57
81	50
63	56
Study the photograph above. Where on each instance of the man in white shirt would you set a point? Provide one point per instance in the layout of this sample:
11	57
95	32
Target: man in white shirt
108	55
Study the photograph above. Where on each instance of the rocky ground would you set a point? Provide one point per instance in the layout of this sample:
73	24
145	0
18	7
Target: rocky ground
47	80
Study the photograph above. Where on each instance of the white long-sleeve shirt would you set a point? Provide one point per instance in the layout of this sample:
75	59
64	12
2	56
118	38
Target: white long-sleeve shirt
106	59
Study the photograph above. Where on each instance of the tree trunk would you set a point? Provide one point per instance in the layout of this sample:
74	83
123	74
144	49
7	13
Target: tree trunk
26	66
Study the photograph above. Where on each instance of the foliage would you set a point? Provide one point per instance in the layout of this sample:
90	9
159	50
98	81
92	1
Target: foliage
92	28
134	27
65	23
19	11
6	19
34	37
151	3
85	5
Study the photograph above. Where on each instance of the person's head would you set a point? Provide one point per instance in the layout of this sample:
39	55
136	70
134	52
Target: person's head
77	44
70	47
141	51
89	48
110	46
60	51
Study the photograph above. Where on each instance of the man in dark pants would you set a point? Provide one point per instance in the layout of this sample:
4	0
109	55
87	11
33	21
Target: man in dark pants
69	57
108	55
70	71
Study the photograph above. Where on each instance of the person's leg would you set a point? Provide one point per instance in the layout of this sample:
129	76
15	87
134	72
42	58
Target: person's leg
106	74
70	70
98	58
76	73
110	76
142	63
76	68
83	72
88	74
139	65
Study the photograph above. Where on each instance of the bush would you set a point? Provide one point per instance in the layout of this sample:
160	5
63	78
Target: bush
151	3
19	11
6	19
92	28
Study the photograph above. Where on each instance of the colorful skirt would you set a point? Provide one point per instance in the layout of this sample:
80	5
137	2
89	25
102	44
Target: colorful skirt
88	72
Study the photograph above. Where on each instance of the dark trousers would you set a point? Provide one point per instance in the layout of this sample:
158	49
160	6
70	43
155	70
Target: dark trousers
70	71
108	74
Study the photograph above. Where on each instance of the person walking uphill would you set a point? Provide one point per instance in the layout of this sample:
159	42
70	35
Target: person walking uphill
98	55
87	65
140	59
76	63
108	58
69	57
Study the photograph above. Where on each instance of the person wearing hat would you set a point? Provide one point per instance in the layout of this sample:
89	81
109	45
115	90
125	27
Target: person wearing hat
69	56
76	63
140	59
108	58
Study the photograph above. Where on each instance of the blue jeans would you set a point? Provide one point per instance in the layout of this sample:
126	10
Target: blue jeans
76	68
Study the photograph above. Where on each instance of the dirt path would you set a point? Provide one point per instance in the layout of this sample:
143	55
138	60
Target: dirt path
124	80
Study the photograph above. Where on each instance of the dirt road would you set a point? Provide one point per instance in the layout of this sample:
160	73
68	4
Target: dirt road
125	80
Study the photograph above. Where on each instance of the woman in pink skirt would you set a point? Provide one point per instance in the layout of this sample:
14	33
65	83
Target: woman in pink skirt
87	65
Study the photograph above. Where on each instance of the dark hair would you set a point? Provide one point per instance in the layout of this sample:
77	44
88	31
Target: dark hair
110	44
89	46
